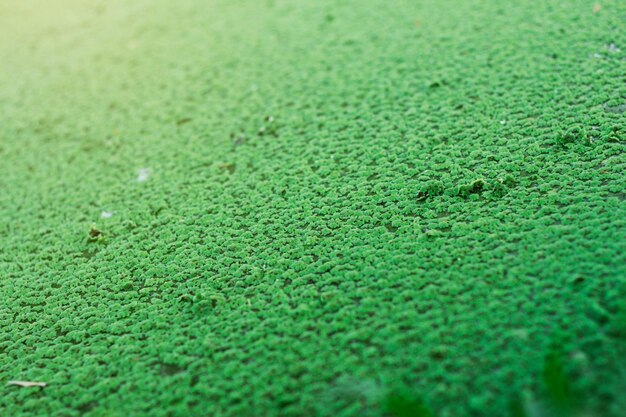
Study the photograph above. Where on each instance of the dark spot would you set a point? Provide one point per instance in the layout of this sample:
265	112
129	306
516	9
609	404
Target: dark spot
85	408
391	228
228	167
572	135
183	121
430	188
186	298
269	129
168	369
240	140
556	382
405	405
615	109
474	187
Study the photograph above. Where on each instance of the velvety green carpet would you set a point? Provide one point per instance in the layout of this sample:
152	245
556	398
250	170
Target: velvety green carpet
313	208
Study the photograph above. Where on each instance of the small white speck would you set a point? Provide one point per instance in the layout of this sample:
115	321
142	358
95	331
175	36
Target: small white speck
613	48
143	174
597	55
106	214
502	122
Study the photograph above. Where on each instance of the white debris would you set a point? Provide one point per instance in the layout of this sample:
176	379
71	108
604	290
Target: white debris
502	122
106	214
613	48
27	384
143	174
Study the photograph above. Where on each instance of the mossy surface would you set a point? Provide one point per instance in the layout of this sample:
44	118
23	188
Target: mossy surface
312	208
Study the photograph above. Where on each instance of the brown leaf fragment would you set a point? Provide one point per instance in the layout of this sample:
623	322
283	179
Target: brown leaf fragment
94	233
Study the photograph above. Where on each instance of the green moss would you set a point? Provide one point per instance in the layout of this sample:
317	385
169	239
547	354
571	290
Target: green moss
299	207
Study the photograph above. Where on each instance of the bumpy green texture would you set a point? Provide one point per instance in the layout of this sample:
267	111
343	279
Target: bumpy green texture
313	208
